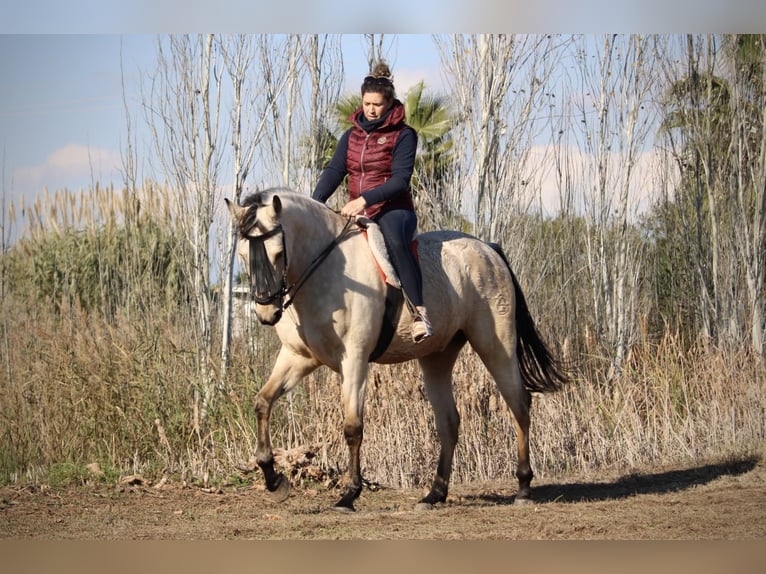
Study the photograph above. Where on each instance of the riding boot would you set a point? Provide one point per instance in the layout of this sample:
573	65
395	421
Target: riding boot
421	326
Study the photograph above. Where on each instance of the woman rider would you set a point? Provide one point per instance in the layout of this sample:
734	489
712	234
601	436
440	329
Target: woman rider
378	155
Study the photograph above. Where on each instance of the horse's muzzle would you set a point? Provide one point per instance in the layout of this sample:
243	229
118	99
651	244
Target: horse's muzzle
272	319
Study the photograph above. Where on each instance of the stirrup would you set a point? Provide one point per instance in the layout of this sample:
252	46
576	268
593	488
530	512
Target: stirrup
421	326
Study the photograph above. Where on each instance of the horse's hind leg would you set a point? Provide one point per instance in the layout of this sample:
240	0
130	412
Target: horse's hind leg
288	370
437	379
519	400
498	353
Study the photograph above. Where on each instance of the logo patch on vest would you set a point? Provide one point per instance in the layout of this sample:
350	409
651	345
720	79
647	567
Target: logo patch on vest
382	140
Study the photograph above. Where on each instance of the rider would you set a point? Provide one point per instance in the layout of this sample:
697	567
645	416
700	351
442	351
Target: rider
378	155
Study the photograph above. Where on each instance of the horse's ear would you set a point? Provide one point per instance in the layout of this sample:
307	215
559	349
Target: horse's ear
236	210
276	203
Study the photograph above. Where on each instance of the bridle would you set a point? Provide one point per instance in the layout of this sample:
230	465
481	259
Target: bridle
267	284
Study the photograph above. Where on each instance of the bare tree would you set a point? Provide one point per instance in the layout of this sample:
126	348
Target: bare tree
614	116
187	107
183	112
248	116
310	68
714	126
324	62
265	74
279	64
375	49
129	155
747	65
292	94
498	84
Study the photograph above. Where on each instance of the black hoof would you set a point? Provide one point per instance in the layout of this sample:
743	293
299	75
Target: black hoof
343	509
523	497
281	491
346	502
432	499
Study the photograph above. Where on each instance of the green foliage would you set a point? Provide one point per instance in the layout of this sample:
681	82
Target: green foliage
100	270
713	125
325	143
344	109
674	244
63	474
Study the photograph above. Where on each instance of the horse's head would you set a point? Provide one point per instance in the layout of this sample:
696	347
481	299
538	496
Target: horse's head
262	248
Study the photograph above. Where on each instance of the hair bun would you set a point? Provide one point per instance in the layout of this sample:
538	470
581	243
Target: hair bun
381	70
379	81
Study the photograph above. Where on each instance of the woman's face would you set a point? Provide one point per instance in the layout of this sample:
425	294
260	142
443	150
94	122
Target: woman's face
374	105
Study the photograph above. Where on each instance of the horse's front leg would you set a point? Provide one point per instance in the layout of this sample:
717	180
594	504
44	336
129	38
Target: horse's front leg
288	371
354	374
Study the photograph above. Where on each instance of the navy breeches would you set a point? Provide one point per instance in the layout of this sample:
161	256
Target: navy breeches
398	227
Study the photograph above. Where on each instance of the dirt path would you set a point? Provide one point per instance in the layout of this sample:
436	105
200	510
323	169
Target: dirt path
717	500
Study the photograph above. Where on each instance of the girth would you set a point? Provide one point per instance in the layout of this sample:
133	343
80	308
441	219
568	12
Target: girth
394	301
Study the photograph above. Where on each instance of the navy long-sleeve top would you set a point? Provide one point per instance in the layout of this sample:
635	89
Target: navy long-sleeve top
402	167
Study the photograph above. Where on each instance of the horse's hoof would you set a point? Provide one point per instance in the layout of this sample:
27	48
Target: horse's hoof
343	509
424	506
523	501
282	490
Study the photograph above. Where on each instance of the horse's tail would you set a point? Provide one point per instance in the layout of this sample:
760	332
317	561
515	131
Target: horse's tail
541	371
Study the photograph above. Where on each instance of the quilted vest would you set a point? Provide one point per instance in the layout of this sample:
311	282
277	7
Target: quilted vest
369	158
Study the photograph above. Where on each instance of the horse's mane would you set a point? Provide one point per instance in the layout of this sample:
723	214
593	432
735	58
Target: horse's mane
263	197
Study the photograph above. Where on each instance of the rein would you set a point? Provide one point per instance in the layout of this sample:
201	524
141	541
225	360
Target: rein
284	289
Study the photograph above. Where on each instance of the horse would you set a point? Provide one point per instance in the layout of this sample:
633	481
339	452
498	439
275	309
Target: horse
313	279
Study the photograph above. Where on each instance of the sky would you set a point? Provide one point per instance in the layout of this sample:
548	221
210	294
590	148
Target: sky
62	119
62	113
62	62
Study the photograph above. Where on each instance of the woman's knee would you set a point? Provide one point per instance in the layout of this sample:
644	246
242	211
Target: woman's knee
398	228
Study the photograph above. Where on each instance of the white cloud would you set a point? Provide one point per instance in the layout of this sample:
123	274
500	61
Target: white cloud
544	180
72	166
406	78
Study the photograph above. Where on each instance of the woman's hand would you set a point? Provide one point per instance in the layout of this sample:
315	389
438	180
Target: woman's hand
353	207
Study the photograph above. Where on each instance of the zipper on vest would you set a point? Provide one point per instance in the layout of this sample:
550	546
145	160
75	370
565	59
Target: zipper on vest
361	165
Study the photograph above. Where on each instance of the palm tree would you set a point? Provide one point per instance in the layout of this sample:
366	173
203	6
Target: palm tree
430	117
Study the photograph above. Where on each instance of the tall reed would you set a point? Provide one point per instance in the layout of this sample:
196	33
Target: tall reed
98	366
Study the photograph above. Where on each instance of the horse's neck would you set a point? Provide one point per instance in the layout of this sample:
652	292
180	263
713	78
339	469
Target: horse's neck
311	229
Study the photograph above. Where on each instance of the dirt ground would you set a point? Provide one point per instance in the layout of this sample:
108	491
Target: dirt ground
723	500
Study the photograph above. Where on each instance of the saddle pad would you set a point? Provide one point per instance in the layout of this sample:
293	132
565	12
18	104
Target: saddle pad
378	249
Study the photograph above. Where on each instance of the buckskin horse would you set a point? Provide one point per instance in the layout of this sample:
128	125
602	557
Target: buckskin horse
313	278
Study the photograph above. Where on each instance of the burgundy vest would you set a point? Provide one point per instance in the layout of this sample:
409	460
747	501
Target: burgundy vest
369	158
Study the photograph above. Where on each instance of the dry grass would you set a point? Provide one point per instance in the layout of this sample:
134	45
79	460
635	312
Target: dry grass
670	407
78	389
79	385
